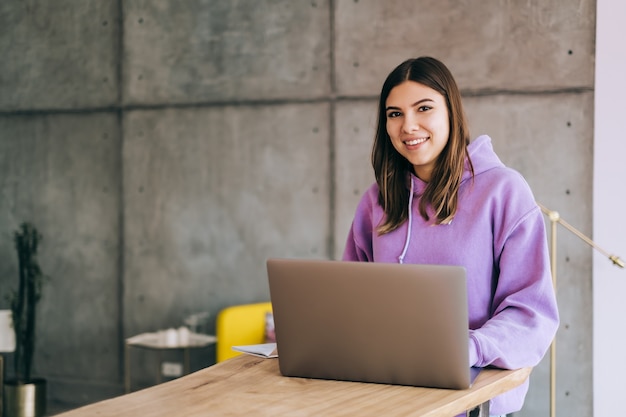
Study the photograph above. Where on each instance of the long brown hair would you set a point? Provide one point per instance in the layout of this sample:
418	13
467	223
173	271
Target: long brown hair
391	169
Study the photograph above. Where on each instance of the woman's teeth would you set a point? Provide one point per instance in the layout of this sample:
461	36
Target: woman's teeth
415	141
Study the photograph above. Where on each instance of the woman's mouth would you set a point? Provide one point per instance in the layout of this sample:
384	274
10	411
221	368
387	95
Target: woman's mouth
416	141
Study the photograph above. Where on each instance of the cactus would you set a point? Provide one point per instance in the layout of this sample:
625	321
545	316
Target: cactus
24	300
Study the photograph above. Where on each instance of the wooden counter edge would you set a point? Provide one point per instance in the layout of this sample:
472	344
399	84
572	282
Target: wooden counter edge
488	384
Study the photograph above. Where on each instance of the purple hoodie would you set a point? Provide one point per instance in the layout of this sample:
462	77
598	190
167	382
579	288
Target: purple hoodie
498	235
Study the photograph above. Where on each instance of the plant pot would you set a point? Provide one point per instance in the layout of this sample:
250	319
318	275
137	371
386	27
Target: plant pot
25	399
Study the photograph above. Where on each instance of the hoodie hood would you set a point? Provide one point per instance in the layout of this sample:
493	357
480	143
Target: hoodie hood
482	156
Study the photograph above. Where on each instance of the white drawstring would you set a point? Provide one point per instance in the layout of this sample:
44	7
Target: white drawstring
408	230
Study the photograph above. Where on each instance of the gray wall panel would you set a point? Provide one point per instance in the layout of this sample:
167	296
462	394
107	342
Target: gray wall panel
197	51
209	195
355	127
62	172
58	55
494	44
548	138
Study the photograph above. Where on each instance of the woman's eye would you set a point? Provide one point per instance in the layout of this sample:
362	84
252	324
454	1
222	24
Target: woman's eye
393	114
424	108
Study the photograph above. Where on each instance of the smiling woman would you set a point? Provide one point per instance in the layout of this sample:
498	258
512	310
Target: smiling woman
419	129
440	198
407	86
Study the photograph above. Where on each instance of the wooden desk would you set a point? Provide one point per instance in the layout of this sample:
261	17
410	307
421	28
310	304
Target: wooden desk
247	385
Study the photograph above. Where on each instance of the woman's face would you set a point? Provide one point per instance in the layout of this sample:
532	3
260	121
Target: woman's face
418	125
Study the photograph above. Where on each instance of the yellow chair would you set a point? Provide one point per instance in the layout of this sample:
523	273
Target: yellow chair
240	325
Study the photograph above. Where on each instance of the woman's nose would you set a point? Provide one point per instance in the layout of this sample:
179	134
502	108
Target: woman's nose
410	124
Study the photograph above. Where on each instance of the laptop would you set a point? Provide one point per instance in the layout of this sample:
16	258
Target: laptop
371	322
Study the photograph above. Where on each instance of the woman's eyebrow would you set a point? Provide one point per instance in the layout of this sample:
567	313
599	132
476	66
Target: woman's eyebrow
417	103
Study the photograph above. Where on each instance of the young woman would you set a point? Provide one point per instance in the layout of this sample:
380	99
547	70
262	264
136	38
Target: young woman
441	199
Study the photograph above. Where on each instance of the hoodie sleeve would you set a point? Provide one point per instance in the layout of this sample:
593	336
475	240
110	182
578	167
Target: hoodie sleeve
352	251
359	242
525	316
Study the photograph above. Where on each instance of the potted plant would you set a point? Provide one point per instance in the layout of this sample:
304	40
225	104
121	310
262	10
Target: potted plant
25	395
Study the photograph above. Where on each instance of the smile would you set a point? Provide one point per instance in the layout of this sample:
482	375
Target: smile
413	142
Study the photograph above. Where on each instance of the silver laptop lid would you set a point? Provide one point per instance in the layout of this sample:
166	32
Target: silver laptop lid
371	322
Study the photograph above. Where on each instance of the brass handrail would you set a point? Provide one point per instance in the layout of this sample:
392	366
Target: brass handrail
555	218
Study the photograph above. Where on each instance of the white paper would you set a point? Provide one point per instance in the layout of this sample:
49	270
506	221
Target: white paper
263	350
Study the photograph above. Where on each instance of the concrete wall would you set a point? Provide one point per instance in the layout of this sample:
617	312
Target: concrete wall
166	148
